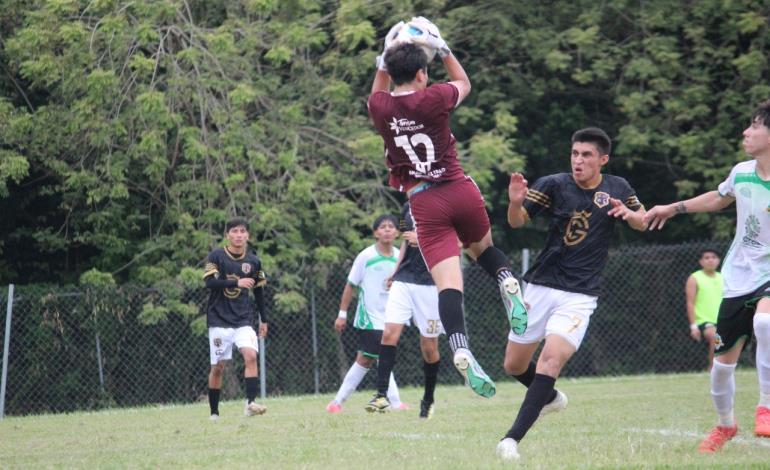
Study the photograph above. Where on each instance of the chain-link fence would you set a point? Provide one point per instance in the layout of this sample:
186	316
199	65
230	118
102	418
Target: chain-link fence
94	349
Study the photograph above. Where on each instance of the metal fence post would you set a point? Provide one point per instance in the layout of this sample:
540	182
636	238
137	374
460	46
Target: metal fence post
524	265
6	346
262	369
316	377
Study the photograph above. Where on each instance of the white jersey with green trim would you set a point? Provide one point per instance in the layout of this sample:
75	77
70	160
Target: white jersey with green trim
747	265
369	275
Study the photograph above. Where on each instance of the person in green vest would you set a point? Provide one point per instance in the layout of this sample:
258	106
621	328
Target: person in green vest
703	292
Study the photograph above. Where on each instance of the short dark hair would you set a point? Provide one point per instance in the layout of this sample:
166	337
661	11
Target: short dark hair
404	60
595	136
708	250
762	114
236	222
379	220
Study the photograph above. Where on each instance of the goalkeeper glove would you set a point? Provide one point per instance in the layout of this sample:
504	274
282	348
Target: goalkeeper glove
389	40
431	37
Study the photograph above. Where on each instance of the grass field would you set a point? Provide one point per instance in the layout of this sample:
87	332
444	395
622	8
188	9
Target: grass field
642	421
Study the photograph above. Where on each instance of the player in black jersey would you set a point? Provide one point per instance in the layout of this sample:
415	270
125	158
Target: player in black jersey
230	274
413	295
565	280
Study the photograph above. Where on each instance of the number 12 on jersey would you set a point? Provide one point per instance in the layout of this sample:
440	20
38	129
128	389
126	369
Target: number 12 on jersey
408	144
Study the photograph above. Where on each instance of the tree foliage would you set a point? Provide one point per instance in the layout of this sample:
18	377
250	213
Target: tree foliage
130	131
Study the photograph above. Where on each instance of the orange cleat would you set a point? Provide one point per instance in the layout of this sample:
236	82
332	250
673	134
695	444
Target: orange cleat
333	407
762	422
717	439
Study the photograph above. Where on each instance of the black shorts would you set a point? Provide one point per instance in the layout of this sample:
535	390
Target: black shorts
736	319
369	343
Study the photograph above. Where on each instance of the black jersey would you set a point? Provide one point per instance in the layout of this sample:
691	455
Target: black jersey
579	230
412	269
230	306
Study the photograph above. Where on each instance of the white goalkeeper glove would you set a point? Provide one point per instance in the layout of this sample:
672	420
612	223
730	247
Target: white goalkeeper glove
389	40
432	37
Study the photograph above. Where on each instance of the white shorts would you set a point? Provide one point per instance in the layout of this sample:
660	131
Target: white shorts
221	342
554	311
415	301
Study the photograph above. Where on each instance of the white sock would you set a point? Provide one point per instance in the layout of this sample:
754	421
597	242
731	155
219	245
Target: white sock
762	332
355	375
723	392
393	397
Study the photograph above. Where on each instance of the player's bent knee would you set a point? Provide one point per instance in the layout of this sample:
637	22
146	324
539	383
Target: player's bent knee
762	326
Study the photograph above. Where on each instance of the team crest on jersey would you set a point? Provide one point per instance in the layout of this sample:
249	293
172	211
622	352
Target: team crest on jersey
601	199
217	342
246	268
718	343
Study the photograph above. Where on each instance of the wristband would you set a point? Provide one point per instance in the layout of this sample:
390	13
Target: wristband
693	326
343	314
681	208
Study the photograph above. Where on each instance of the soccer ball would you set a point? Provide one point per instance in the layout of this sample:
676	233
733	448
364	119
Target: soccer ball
414	29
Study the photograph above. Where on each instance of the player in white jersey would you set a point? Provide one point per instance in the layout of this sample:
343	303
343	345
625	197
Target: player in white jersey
745	307
368	277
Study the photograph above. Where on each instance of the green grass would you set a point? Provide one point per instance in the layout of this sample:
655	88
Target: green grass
643	421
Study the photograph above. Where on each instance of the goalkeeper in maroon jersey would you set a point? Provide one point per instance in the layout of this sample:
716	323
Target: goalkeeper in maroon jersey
413	121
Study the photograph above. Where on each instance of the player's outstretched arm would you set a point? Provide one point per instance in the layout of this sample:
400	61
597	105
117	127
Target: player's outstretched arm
711	201
635	219
517	192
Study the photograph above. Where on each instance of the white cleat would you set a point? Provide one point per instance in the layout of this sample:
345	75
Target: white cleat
254	408
214	418
507	449
558	404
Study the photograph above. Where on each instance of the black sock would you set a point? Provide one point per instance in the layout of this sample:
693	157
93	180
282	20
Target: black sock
528	376
431	376
251	388
385	367
495	263
214	400
537	396
450	310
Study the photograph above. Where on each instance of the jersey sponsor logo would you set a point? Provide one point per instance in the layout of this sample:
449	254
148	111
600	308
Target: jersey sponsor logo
404	125
601	199
246	268
752	231
577	228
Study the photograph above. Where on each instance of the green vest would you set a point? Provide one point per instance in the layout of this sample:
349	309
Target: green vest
708	296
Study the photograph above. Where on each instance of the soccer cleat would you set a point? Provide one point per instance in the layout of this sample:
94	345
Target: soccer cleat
333	407
762	422
557	404
507	449
717	439
214	417
514	305
426	409
254	408
379	403
474	375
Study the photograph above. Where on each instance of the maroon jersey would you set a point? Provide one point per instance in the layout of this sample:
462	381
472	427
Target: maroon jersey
415	127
